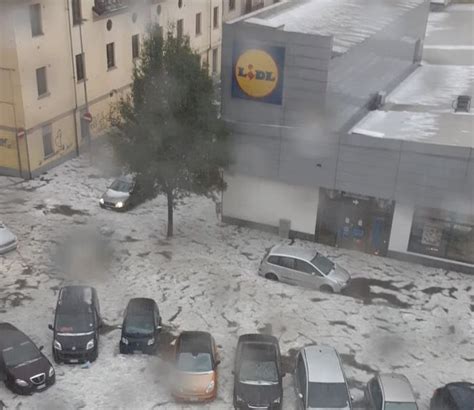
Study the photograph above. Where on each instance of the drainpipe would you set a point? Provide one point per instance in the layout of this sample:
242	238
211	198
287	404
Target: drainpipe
85	87
209	51
73	77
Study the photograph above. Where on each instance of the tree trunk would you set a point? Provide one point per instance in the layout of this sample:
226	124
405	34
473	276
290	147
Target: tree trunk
169	196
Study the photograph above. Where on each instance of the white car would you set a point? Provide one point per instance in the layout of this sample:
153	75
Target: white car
8	241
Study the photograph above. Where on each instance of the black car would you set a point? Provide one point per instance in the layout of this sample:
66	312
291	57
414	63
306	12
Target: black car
23	368
141	326
453	396
76	325
257	373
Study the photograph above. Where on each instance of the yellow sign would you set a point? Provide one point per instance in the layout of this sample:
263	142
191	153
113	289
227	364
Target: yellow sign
256	73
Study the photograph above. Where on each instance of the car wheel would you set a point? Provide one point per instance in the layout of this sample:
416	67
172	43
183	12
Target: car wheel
327	289
271	276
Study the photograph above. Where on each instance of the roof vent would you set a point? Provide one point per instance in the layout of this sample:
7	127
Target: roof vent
462	103
377	101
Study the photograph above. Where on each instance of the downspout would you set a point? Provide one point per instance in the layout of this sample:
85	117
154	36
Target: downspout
210	36
73	77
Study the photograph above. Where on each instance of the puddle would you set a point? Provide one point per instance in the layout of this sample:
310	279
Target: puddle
15	299
143	254
167	254
359	288
128	238
434	290
65	210
22	284
341	323
349	360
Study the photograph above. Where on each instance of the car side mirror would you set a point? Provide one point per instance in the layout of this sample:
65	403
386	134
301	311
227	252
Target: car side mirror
300	395
119	327
40	348
218	362
352	397
50	327
159	327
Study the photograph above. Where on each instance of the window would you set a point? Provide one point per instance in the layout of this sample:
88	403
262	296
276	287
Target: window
216	17
35	19
286	262
76	12
214	60
180	28
135	46
198	24
231	5
304	267
41	82
273	260
110	56
80	67
47	140
376	393
442	234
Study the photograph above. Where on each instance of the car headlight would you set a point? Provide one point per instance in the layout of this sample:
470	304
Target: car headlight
57	345
90	344
101	200
21	383
51	371
124	340
277	400
151	341
119	204
210	386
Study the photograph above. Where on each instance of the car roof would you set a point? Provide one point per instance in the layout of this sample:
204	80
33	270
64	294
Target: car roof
293	251
195	341
323	364
257	338
137	305
10	335
396	388
462	393
76	296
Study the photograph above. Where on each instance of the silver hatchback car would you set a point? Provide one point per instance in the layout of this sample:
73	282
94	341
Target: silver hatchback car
304	267
390	392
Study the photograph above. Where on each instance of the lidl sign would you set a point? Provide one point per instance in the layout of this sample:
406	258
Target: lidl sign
258	73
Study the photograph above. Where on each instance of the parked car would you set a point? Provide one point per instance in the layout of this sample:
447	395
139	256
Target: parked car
141	326
304	267
390	392
453	396
257	373
76	325
23	368
320	382
196	364
8	241
120	195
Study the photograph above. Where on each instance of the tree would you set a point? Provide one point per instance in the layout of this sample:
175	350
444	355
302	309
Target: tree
167	131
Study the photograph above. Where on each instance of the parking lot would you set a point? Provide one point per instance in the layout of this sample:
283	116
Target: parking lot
395	317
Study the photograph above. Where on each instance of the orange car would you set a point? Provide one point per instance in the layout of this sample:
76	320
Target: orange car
196	367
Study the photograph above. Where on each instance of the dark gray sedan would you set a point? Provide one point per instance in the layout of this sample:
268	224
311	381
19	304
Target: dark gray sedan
119	195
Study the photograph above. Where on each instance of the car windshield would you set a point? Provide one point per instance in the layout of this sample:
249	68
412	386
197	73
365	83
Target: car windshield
138	325
21	354
74	322
194	363
121	186
400	406
331	395
323	263
258	372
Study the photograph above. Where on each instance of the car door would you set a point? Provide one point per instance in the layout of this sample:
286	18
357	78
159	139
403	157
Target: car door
300	382
308	275
286	269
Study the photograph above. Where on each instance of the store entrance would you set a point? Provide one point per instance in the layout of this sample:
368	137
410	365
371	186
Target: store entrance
354	221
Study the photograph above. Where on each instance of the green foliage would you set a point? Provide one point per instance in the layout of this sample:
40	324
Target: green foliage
168	131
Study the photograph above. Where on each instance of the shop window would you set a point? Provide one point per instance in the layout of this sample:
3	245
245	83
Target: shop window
442	234
47	140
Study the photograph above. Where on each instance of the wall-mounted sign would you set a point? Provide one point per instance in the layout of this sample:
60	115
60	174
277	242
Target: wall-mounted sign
257	73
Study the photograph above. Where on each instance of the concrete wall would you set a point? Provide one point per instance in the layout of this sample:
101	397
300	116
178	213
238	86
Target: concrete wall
266	202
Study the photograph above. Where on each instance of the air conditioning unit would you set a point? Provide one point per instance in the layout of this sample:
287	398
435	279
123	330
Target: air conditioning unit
378	101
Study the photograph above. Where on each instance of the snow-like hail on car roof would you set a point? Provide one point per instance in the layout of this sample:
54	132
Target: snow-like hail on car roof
349	21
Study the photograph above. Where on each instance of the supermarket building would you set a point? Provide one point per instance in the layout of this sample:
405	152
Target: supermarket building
329	143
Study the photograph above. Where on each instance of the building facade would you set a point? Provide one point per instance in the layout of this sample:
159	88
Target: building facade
298	80
61	59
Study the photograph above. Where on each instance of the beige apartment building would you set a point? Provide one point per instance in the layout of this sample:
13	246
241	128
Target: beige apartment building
61	60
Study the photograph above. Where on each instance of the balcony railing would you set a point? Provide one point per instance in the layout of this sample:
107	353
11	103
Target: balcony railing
105	7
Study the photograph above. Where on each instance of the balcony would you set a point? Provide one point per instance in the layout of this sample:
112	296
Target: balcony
106	7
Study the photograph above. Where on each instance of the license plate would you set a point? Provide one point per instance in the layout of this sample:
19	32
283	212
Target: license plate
41	386
73	360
